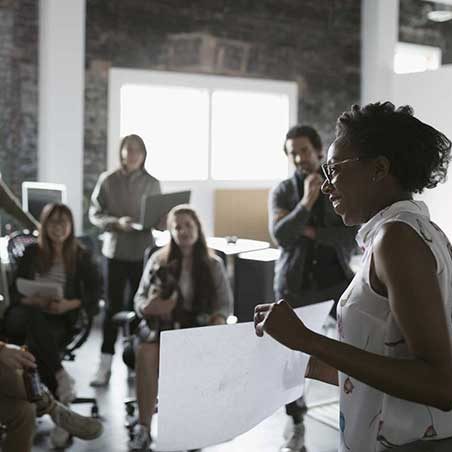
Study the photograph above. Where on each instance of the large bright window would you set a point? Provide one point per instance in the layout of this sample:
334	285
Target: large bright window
172	122
247	132
199	127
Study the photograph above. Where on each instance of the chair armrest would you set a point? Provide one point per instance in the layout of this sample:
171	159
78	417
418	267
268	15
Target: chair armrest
124	317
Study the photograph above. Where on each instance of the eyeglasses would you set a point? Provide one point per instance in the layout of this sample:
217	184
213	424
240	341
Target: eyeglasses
329	169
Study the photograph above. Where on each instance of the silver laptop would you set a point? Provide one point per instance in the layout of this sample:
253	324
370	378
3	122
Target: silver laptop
154	207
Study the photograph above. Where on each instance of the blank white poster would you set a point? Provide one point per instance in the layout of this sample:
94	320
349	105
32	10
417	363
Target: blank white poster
218	382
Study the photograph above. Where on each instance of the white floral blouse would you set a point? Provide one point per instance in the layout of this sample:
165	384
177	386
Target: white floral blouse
371	420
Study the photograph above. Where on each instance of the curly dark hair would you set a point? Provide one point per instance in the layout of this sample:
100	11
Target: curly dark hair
309	132
419	154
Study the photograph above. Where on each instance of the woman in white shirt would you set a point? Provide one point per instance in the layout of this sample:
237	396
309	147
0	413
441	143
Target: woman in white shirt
394	353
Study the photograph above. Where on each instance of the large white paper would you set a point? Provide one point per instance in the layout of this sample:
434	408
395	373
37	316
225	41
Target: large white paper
29	288
218	382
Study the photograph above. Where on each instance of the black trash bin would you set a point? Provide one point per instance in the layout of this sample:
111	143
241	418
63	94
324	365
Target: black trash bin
254	273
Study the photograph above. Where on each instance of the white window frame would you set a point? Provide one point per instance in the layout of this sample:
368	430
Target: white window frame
120	77
202	190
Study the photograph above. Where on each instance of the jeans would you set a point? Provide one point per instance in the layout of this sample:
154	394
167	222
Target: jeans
45	335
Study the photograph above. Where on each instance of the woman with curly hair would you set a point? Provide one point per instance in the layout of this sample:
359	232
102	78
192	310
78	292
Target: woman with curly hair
202	297
393	357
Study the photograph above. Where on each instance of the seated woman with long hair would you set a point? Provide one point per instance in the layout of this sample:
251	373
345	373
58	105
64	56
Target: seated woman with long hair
44	322
202	297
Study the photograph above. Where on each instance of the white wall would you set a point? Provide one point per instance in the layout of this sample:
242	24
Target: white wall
430	94
61	88
379	36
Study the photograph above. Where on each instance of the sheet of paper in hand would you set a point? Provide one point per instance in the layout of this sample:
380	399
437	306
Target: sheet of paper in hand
218	382
29	288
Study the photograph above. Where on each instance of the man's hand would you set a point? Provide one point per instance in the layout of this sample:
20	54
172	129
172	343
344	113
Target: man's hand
15	358
125	224
310	232
312	184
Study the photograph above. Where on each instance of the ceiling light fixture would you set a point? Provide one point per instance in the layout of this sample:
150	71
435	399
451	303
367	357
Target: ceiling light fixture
440	16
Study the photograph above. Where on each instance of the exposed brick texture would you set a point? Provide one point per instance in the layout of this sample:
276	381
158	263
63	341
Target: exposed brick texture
313	42
18	90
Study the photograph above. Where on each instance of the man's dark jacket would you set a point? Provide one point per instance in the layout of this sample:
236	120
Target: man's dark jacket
288	234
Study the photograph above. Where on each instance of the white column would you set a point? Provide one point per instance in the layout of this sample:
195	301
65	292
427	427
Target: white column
379	36
61	97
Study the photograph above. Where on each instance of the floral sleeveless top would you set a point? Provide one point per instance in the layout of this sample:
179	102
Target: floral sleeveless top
371	420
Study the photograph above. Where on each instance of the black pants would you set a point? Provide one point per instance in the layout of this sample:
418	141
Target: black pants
118	274
297	408
44	334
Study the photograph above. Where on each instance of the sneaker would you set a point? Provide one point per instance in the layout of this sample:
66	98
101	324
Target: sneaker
75	424
103	374
295	441
130	375
60	438
65	390
141	439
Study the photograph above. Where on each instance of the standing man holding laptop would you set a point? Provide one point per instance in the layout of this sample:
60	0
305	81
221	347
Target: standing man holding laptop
115	207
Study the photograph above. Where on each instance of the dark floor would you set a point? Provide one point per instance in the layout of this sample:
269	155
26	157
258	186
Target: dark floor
266	437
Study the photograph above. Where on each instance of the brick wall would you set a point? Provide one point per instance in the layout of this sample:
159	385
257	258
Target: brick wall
18	90
313	42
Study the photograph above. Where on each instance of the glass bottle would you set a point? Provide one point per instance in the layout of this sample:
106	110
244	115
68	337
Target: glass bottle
32	383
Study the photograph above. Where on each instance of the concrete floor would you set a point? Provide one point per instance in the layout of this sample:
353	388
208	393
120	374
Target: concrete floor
266	437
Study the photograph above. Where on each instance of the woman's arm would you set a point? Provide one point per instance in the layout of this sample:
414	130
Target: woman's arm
62	306
406	269
318	370
98	210
148	304
223	302
26	265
